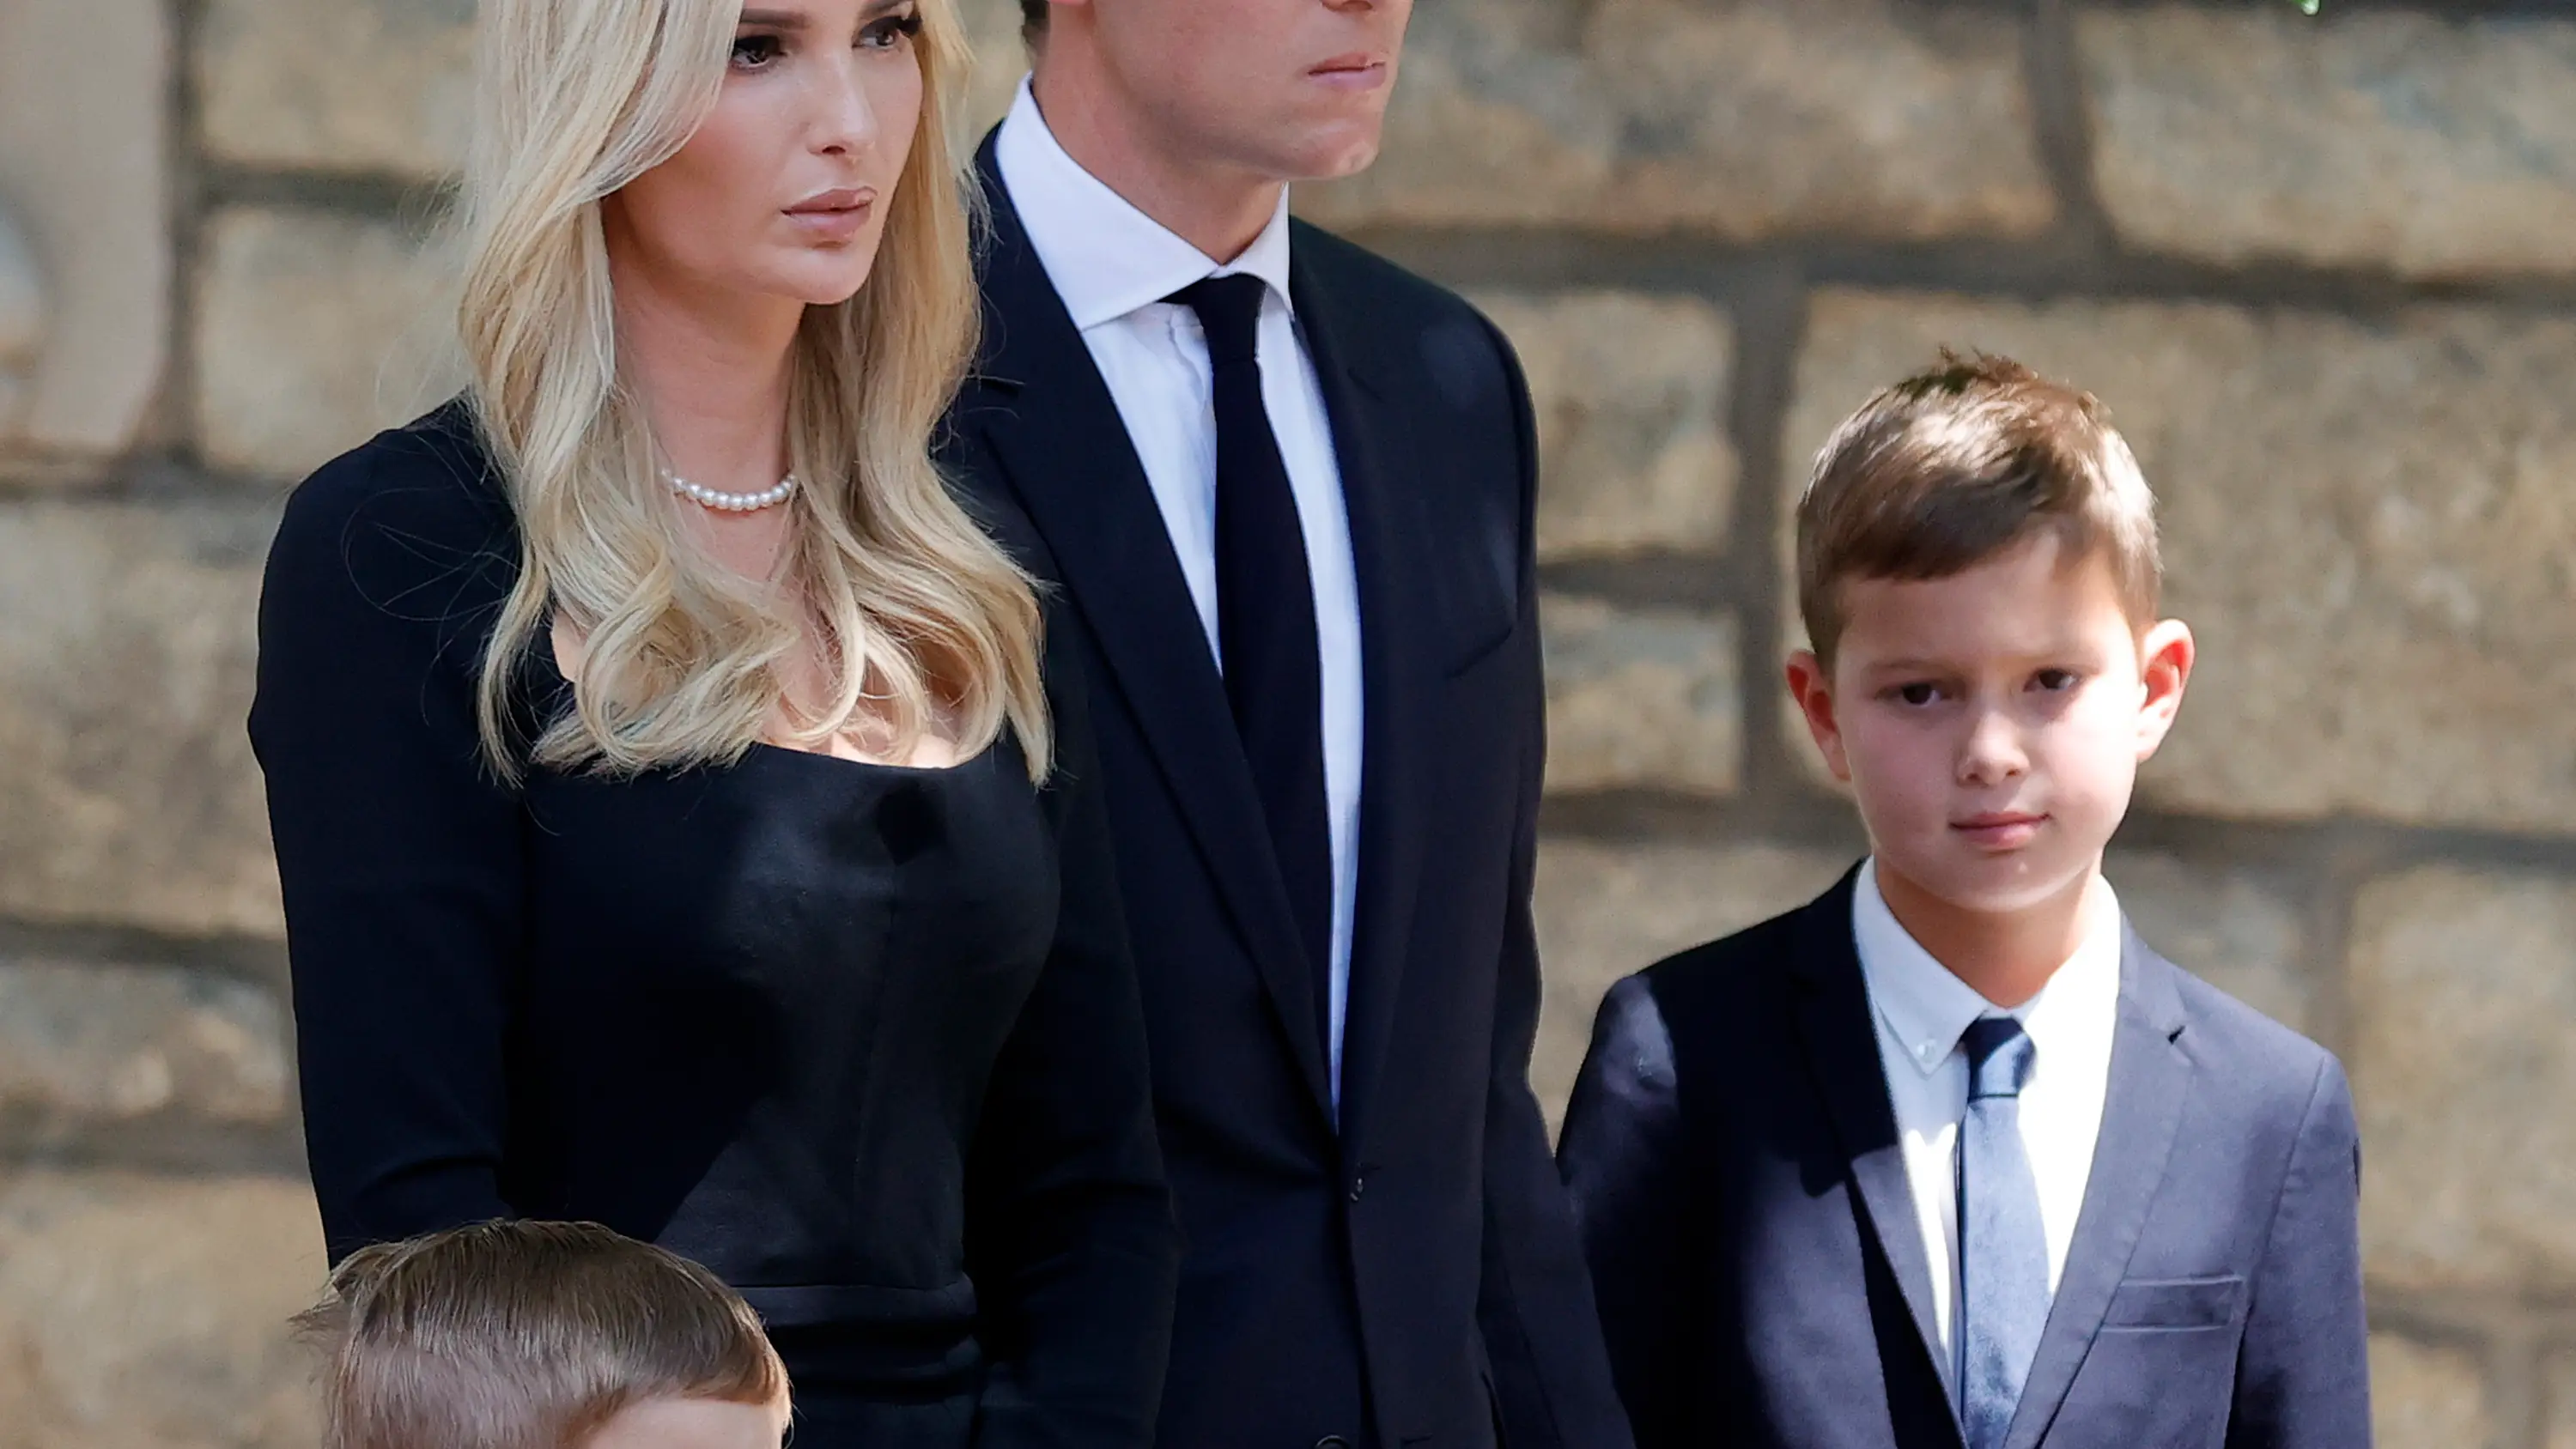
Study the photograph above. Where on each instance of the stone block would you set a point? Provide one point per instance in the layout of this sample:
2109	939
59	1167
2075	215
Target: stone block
2558	1387
2427	1396
1001	58
1641	699
85	1046
22	324
314	332
2227	927
151	1313
2365	523
1630	394
1740	121
2426	145
349	85
127	789
1606	911
84	166
2464	998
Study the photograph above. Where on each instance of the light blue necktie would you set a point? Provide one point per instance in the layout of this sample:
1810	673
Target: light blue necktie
2003	1254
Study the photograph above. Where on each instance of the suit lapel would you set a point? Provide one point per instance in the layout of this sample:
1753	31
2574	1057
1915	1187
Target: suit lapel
2150	1078
1835	1026
1053	426
1399	674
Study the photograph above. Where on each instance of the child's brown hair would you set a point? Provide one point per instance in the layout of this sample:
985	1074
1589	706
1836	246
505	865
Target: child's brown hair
525	1335
1958	464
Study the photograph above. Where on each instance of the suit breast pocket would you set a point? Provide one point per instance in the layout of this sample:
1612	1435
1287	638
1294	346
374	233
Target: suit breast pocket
2172	1304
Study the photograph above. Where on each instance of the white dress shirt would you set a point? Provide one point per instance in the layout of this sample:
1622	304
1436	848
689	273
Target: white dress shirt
1113	265
1922	1011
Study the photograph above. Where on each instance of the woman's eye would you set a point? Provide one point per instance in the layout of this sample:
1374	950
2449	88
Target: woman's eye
891	33
753	52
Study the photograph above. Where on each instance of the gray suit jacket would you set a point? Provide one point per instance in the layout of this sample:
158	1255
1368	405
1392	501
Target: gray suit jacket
1744	1206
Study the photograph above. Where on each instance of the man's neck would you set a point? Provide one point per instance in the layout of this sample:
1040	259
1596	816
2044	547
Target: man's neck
1219	208
2007	957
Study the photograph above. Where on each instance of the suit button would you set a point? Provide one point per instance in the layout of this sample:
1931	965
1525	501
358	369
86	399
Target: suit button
1332	1441
1359	1186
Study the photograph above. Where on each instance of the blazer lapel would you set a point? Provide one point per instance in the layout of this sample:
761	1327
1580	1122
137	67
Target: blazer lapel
1052	424
1398	677
1835	1025
2150	1077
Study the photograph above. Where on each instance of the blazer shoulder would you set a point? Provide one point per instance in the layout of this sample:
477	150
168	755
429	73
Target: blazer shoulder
2251	1051
1367	280
1725	988
415	520
432	477
1467	355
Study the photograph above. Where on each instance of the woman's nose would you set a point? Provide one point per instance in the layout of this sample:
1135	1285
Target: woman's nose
845	118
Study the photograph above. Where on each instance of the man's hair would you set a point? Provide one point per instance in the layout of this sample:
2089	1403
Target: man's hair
524	1335
1957	465
1033	21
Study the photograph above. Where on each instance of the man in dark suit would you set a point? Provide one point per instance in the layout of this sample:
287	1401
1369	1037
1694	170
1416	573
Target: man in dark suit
1949	1159
1287	491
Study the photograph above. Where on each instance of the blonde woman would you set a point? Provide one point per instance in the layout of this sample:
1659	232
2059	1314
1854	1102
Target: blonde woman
680	826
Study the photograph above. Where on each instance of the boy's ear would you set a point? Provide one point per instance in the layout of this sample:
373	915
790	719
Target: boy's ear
2165	653
1813	688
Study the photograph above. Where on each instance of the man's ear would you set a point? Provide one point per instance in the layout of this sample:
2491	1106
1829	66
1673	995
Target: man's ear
1812	686
2165	656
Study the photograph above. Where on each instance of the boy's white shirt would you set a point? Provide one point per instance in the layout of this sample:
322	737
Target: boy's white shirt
1921	1011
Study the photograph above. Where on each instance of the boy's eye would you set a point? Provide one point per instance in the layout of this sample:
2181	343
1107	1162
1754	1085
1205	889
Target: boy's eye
890	33
755	52
1916	694
2056	681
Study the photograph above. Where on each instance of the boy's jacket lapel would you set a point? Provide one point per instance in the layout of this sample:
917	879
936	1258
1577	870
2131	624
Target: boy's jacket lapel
2150	1081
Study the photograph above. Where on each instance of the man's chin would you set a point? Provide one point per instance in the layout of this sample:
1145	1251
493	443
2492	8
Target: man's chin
1331	154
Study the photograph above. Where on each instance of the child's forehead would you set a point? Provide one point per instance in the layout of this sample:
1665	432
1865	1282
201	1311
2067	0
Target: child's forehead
2026	599
691	1423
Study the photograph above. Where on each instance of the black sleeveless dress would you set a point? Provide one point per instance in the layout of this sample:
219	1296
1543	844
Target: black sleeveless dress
864	1040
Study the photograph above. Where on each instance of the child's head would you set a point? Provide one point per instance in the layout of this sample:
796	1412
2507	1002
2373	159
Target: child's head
527	1335
1978	571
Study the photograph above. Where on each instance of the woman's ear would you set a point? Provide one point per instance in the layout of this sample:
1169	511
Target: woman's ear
1812	686
2165	656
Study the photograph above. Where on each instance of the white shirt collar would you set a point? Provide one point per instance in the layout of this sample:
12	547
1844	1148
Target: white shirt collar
1107	258
1929	1009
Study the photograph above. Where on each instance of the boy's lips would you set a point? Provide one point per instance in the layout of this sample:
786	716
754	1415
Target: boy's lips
2000	829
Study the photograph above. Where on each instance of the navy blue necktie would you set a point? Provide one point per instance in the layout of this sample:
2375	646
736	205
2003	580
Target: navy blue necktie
1265	612
2003	1253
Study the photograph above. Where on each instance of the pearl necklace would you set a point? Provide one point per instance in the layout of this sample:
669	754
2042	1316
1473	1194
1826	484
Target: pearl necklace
706	497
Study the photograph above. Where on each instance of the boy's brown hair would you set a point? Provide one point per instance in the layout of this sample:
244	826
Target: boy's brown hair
525	1335
1958	464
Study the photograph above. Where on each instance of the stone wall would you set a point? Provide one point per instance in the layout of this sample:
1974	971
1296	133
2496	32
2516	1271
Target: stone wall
2324	271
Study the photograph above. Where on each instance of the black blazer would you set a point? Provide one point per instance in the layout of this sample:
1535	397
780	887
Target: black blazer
1334	1282
1735	1162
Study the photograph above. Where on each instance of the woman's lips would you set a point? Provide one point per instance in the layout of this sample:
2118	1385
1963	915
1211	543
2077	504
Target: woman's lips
833	215
2000	830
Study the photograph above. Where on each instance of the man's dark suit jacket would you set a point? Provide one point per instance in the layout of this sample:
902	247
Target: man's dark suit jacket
1735	1164
1334	1282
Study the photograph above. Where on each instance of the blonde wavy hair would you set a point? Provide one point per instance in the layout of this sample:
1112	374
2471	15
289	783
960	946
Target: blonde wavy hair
921	615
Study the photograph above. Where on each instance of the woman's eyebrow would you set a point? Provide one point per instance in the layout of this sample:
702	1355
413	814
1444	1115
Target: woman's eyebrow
775	19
